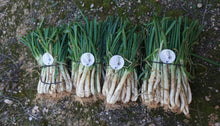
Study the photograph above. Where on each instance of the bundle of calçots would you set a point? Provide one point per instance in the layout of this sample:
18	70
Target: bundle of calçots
49	48
167	84
120	81
86	39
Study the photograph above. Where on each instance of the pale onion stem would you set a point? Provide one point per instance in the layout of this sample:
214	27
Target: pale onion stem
186	110
81	92
145	90
162	89
157	95
166	87
93	81
53	86
57	80
87	84
43	80
173	87
182	103
134	81
69	82
183	100
178	89
189	95
128	90
73	72
110	82
151	82
40	84
81	67
119	87
123	92
98	74
186	83
106	82
75	78
50	80
47	80
61	86
142	91
157	74
112	89
66	86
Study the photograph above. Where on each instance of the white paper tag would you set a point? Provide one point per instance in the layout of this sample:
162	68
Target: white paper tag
87	59
167	56
116	62
47	59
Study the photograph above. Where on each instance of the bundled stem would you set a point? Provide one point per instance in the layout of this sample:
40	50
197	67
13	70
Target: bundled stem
121	39
55	78
86	37
178	35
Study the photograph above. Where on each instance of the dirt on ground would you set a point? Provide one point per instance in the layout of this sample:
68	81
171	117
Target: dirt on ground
19	71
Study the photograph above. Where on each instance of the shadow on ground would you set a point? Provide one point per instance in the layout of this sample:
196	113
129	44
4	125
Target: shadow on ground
19	73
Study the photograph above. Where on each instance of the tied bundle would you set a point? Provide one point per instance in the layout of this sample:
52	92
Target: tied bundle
86	38
167	84
49	48
122	41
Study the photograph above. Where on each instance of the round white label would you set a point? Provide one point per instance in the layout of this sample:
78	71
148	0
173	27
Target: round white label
87	59
47	59
167	56
116	62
